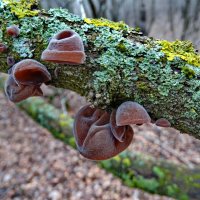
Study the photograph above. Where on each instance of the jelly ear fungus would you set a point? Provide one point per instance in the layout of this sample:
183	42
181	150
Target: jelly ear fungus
131	113
162	122
30	72
65	47
94	136
17	93
25	79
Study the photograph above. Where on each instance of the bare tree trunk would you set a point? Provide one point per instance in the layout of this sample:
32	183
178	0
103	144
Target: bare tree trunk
153	13
93	8
171	16
142	23
186	18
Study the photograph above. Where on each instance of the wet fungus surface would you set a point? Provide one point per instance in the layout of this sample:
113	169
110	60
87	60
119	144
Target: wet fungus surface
17	93
118	131
25	79
131	113
94	137
65	47
30	72
101	135
162	122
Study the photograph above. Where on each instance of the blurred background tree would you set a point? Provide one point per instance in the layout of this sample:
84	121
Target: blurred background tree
168	20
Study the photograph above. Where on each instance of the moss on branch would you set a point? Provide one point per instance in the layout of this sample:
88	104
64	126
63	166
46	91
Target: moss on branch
121	65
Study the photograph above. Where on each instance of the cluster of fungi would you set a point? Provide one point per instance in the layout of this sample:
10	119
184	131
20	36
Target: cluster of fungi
99	134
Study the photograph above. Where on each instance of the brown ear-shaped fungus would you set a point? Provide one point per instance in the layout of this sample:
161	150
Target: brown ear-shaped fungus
94	137
131	113
118	131
65	47
30	72
3	48
17	93
162	122
13	31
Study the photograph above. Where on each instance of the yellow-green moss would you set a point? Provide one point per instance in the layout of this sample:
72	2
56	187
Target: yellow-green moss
190	73
105	22
22	8
121	47
182	49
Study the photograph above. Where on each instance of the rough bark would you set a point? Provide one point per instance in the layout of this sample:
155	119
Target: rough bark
121	65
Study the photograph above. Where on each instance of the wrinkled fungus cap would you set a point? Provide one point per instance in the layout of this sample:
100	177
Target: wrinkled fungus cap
162	122
17	93
65	47
30	72
131	113
94	137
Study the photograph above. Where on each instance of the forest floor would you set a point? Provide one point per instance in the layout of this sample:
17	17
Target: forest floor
34	165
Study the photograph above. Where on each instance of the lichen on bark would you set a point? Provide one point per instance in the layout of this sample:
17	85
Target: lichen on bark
120	65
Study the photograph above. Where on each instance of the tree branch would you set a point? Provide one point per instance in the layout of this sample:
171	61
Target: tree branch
121	64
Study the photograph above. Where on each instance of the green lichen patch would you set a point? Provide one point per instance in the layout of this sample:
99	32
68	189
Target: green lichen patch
54	26
182	49
1	4
29	27
120	26
60	13
116	67
22	8
23	47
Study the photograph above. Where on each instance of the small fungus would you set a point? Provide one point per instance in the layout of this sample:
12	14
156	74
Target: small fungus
10	61
162	122
94	136
13	31
131	113
17	93
65	47
30	72
3	48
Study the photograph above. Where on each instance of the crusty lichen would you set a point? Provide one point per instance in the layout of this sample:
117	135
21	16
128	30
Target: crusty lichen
105	22
182	49
22	8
